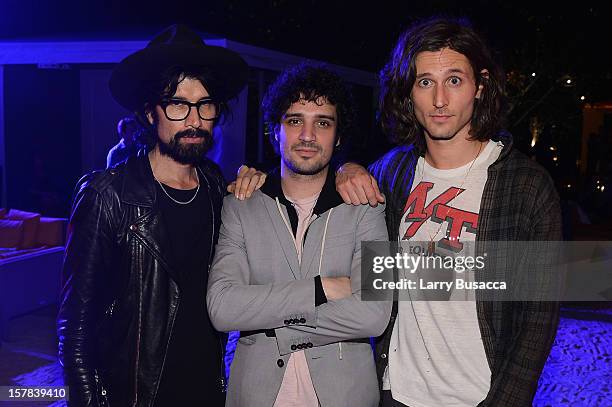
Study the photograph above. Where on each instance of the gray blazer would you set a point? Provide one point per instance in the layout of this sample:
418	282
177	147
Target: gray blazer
257	283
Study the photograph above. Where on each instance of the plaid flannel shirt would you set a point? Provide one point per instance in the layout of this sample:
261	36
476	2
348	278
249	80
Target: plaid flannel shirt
519	203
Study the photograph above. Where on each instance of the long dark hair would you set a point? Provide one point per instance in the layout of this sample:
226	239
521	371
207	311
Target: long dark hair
396	112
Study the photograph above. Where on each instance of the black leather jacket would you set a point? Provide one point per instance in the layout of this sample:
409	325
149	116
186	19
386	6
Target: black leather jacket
119	298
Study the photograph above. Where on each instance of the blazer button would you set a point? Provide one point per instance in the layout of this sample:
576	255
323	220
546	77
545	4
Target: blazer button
280	363
293	347
286	323
133	227
302	320
300	346
383	356
309	344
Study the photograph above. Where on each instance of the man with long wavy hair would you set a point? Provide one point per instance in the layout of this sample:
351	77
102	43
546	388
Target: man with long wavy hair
454	179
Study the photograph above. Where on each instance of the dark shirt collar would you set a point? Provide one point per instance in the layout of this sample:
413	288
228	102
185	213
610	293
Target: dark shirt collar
328	198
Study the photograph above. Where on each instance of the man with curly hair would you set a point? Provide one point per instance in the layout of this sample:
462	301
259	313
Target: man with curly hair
455	179
286	273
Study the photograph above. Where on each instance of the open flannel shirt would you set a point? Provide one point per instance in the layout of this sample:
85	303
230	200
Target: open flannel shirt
519	203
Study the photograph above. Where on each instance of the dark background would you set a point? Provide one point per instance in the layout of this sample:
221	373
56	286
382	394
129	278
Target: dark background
556	41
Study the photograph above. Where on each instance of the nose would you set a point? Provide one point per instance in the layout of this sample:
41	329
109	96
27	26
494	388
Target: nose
440	97
308	133
193	118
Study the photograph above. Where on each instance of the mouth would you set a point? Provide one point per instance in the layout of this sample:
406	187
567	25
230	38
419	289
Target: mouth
440	118
307	152
192	139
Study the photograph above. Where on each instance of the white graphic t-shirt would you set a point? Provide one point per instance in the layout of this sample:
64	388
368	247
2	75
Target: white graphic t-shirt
436	355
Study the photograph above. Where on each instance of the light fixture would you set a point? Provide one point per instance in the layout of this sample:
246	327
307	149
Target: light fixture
533	74
582	98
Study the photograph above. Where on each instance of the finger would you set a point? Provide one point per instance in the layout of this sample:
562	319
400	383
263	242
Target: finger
370	194
246	180
262	180
251	185
379	196
238	186
345	196
238	182
361	194
241	170
231	187
353	197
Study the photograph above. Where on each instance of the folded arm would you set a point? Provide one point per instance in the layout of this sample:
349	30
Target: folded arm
346	318
234	304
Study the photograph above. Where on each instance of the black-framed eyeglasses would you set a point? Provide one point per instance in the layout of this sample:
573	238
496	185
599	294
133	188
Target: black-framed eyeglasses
177	109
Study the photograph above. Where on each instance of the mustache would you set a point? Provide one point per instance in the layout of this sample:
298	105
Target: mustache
192	133
306	145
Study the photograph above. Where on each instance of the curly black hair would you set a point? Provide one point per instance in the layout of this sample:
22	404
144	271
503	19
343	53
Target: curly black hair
397	78
309	82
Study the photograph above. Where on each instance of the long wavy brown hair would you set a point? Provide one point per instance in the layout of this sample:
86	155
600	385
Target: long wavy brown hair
396	112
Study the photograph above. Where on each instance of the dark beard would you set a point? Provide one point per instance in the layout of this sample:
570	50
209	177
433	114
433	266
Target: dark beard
190	154
314	169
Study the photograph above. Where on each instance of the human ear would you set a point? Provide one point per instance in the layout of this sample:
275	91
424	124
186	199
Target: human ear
484	74
150	118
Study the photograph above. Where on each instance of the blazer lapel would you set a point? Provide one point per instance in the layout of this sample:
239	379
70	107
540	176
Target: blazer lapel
312	246
285	237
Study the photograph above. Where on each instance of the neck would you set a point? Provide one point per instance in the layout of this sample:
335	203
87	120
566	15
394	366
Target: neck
172	173
454	153
299	186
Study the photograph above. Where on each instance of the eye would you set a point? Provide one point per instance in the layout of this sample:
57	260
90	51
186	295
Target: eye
454	81
292	121
424	83
323	123
175	102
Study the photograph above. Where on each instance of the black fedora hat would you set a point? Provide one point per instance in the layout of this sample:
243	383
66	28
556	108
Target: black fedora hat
225	71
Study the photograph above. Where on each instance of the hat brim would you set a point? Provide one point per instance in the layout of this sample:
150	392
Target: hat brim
131	79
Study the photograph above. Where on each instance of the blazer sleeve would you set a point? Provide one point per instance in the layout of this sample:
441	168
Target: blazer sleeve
348	318
233	303
87	262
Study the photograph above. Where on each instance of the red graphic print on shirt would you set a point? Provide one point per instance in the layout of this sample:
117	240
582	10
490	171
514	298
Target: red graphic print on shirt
438	210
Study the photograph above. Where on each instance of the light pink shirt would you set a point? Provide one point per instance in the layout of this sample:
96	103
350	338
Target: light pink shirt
297	389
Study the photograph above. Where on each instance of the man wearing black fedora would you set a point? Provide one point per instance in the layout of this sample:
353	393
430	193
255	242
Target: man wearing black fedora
133	327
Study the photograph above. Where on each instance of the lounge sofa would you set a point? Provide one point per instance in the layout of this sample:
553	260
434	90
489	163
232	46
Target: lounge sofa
31	255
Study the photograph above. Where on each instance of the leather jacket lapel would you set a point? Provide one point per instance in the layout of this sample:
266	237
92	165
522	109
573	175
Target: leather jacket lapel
139	189
151	231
